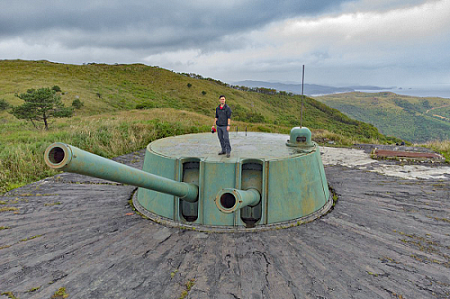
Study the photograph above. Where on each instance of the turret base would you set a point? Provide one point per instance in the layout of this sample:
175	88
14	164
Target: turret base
231	229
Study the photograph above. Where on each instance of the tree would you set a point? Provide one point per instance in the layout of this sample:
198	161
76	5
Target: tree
40	105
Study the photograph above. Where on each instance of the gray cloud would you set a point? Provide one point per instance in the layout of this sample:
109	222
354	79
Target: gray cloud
386	42
145	24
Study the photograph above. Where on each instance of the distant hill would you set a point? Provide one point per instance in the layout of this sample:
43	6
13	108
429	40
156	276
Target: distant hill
108	88
309	89
411	118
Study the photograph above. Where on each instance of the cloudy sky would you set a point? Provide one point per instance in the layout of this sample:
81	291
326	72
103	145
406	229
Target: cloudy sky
340	42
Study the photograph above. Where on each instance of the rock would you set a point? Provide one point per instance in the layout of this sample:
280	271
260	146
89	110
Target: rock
387	237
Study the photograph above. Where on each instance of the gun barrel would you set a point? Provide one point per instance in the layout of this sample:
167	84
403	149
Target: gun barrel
229	200
72	159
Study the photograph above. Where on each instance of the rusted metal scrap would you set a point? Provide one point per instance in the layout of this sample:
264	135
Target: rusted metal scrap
392	154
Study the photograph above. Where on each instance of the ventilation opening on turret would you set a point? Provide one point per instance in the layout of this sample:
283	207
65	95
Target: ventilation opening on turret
251	178
189	210
56	155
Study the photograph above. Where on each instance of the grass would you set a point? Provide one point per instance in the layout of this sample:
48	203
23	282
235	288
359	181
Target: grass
109	125
52	204
10	295
117	133
442	147
33	289
8	209
108	135
30	238
172	274
189	284
60	294
109	88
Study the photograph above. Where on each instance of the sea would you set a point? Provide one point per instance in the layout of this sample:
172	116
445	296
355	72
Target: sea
440	91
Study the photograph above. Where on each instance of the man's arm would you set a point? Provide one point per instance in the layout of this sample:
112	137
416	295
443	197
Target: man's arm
229	118
215	119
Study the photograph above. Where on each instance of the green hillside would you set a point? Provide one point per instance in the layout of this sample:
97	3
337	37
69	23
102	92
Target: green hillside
128	106
107	88
414	119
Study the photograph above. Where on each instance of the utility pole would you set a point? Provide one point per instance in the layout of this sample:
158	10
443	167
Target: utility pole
301	110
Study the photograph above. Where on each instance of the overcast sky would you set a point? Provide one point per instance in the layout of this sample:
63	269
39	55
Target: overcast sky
340	42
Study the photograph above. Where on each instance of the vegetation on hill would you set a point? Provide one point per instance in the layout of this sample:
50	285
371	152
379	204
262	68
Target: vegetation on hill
414	119
107	88
121	108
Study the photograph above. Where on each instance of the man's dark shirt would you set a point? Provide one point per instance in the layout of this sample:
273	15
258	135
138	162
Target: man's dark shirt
223	115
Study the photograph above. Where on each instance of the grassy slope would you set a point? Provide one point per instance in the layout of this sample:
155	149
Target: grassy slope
107	88
410	118
109	125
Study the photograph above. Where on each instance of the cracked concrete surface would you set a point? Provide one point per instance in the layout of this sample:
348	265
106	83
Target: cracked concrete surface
387	237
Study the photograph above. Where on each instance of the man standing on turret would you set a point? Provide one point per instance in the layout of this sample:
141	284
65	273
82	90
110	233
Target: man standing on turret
223	120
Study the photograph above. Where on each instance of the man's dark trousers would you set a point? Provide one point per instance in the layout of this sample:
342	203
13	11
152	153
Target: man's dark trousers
224	139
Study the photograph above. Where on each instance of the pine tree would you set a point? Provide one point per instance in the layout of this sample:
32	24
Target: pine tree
40	105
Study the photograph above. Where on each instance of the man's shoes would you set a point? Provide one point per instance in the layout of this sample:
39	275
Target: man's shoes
222	153
228	155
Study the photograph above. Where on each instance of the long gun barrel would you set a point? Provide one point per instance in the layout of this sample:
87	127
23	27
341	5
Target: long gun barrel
72	159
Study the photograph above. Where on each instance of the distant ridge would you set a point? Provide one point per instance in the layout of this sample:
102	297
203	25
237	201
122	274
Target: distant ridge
309	89
415	119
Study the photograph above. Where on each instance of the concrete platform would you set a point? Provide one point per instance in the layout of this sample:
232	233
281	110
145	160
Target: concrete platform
387	237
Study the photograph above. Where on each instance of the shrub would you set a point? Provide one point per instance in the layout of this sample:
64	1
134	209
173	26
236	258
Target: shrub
147	105
3	105
77	104
56	88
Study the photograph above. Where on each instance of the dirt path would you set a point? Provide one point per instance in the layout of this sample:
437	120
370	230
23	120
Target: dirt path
387	237
437	115
443	106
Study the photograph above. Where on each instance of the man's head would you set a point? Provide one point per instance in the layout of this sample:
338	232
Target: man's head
222	100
